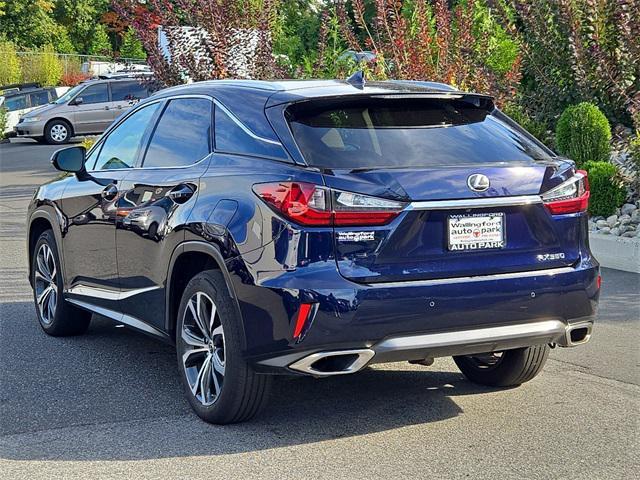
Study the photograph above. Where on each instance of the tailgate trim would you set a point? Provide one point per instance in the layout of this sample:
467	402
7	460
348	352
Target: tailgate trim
478	278
483	202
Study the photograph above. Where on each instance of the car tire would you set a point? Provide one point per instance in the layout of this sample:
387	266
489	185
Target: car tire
220	385
56	316
58	132
509	369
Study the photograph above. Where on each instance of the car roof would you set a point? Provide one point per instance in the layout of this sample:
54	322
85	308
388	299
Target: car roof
287	91
27	91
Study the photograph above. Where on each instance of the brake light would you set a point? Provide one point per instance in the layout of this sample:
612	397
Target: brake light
571	196
309	204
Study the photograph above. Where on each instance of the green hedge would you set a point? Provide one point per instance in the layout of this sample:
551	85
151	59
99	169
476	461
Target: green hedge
607	193
583	134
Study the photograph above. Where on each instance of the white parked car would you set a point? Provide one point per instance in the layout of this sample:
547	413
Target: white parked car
20	100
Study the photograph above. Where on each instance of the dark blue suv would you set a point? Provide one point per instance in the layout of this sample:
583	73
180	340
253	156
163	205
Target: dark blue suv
314	228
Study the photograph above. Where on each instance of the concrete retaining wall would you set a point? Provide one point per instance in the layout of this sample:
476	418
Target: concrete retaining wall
616	252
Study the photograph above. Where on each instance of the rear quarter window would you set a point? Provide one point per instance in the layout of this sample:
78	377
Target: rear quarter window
231	136
415	132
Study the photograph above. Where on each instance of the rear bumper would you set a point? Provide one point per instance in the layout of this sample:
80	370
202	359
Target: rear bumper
431	345
417	319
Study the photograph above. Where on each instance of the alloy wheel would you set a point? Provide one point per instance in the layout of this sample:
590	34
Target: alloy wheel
59	132
204	356
46	287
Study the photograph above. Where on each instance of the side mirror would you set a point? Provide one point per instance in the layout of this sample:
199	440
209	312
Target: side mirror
77	101
69	159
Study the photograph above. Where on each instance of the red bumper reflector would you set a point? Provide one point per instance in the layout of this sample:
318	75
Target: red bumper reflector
301	319
599	281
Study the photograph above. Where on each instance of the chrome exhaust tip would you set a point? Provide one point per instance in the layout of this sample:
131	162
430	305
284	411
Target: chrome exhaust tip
577	334
327	364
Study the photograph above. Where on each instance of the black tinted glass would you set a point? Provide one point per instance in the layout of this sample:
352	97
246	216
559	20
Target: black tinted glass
120	149
39	98
15	103
183	134
123	91
95	94
232	138
408	133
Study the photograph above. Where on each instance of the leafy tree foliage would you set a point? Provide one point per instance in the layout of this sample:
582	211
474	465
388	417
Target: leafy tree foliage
100	43
30	24
10	64
580	51
131	47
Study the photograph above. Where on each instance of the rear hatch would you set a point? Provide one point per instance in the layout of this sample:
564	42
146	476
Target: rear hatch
468	177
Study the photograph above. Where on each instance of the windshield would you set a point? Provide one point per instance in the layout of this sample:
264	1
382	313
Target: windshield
403	132
69	95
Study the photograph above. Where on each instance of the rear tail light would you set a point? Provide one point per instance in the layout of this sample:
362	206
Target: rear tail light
309	204
571	196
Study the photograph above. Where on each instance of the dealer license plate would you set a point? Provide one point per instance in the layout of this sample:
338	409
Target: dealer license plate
476	232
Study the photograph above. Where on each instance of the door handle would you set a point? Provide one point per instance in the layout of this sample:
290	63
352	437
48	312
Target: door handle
107	107
181	193
110	192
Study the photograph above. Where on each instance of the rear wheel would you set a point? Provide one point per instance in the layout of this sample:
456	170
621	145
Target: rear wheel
504	369
57	317
220	385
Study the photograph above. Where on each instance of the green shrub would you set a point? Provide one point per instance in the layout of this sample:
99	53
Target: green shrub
3	121
9	63
583	134
43	67
607	193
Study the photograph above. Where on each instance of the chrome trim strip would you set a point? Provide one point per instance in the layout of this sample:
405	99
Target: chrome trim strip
553	329
121	318
480	202
244	128
305	365
135	108
479	278
105	294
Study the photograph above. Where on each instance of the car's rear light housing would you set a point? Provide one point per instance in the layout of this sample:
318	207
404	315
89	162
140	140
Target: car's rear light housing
315	205
571	196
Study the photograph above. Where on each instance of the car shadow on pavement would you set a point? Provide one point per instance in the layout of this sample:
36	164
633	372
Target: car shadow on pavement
114	394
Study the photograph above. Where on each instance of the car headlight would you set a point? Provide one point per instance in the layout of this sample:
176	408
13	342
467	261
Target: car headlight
30	119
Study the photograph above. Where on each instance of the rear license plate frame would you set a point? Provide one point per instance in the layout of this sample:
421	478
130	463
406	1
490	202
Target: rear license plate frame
488	244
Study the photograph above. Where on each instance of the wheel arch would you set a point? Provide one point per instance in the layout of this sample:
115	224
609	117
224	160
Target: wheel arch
63	119
187	260
39	222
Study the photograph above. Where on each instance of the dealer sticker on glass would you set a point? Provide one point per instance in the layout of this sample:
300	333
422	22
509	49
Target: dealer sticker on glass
477	231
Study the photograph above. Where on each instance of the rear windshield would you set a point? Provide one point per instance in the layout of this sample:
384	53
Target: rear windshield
415	132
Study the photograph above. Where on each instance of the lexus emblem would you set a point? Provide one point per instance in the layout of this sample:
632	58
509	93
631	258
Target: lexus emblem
478	182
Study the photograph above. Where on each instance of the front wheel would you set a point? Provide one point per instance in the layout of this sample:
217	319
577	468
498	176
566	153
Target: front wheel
57	132
56	316
504	369
220	385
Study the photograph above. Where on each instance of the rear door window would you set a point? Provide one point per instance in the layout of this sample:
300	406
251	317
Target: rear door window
39	98
127	91
183	134
15	103
416	132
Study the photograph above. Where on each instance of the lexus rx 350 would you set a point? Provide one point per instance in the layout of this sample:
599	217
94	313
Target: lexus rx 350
314	228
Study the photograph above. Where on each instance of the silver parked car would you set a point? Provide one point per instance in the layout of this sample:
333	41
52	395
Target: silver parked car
87	109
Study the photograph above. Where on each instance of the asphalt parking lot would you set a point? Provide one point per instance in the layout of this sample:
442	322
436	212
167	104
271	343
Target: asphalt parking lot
108	404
